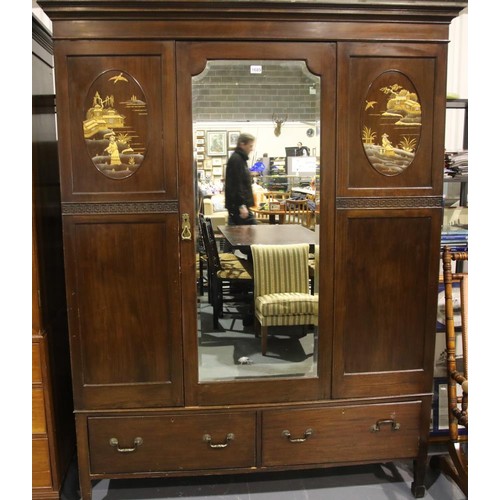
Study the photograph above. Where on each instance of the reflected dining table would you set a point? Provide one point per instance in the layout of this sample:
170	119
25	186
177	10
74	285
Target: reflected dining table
242	237
272	214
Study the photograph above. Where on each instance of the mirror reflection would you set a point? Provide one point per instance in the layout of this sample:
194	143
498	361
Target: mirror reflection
256	138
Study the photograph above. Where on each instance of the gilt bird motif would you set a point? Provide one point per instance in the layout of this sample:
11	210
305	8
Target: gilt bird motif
370	104
118	78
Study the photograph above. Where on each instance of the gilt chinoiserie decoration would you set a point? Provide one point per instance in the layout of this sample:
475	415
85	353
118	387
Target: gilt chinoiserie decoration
391	123
115	124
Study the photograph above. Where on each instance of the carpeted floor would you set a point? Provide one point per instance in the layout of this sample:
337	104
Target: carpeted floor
233	352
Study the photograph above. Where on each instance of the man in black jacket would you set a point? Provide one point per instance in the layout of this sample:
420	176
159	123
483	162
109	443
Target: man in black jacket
238	184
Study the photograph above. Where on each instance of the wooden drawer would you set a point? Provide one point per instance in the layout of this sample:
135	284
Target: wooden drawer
38	423
340	434
40	463
36	363
171	442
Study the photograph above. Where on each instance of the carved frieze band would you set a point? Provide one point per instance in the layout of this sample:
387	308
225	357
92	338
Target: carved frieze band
130	207
400	202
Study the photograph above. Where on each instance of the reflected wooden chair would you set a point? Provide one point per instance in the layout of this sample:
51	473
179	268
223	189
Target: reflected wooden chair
225	274
202	274
455	464
276	196
261	218
313	264
297	212
281	288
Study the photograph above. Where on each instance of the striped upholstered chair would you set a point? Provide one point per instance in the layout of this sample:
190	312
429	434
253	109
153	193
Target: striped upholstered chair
281	288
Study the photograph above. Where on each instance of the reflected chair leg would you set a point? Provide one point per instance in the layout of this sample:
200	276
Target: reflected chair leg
216	303
200	270
257	328
210	281
263	332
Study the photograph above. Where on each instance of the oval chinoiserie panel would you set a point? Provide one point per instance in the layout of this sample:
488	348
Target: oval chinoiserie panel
115	124
391	122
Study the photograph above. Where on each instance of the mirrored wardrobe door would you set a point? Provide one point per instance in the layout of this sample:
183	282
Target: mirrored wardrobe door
254	159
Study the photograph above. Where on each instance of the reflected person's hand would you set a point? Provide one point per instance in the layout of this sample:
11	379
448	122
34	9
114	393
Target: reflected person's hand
243	212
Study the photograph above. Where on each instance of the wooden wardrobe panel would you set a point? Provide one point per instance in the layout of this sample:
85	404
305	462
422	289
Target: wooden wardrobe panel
126	319
41	476
383	84
132	91
385	299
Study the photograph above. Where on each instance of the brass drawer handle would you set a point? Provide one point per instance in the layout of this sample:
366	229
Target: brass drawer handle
395	426
207	438
114	443
288	435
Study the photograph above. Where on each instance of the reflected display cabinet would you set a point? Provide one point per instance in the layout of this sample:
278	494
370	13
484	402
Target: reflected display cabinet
162	389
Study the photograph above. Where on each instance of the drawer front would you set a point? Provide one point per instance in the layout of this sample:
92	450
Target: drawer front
340	434
40	464
36	363
171	442
38	425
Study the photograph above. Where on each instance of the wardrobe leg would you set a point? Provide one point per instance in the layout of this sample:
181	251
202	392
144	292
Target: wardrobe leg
83	458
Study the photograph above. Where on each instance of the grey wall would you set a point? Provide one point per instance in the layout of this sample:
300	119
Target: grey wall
226	92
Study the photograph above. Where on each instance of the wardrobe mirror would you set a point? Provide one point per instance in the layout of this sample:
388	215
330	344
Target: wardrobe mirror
257	312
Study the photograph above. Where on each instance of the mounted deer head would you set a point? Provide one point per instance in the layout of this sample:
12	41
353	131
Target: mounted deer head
278	121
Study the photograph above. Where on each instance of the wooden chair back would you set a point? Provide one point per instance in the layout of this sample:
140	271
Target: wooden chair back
455	464
280	269
275	195
458	414
210	244
296	212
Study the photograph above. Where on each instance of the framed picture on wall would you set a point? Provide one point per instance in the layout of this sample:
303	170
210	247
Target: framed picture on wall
232	138
216	143
439	416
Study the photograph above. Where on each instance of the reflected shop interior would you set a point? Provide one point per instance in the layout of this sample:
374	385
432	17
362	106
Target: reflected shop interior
258	310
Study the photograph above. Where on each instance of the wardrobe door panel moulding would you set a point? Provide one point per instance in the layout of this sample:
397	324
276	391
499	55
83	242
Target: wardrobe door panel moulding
193	58
386	349
125	335
393	107
119	143
127	111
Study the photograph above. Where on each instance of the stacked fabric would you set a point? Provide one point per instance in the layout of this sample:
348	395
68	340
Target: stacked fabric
456	164
455	237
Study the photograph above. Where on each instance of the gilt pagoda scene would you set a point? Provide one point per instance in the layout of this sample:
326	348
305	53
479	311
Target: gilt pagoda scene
392	122
115	111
